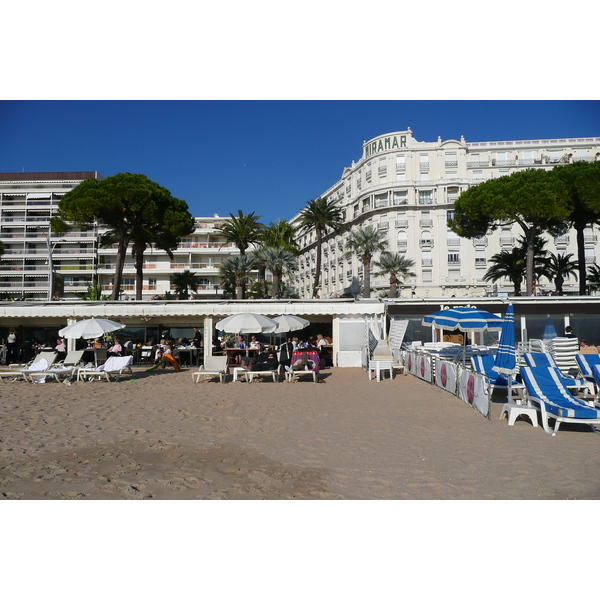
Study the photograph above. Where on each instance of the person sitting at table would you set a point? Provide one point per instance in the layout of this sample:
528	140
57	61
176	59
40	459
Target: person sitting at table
240	342
115	349
255	344
321	341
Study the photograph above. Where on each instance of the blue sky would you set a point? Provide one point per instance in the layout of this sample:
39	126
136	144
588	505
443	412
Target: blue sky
270	157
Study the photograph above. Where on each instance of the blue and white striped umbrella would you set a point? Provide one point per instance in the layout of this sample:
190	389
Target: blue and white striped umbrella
506	359
464	318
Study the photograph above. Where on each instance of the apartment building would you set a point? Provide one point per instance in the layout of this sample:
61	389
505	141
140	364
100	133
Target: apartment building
202	253
408	188
32	252
39	264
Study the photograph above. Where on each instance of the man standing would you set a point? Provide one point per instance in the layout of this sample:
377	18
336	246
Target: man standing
197	338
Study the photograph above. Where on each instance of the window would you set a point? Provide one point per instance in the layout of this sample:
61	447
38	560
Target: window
424	162
427	275
400	197
451	159
477	174
425	197
400	162
453	258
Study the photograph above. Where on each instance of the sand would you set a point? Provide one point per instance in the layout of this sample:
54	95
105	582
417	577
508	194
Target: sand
160	436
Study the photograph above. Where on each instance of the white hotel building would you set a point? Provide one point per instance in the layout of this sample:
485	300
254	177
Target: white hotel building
408	188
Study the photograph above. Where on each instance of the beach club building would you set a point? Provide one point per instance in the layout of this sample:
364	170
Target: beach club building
407	188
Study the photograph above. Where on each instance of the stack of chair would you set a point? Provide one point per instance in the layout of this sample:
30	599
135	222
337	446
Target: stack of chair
564	350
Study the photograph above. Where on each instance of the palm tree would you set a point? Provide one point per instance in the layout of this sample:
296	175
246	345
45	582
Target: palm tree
261	264
234	271
281	235
243	231
366	241
397	266
184	282
509	264
320	215
279	261
512	264
561	266
593	278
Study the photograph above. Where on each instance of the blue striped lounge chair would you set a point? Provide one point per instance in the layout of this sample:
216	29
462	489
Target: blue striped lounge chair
544	359
586	363
546	391
484	363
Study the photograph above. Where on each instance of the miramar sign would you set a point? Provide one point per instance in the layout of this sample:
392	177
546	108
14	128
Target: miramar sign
392	142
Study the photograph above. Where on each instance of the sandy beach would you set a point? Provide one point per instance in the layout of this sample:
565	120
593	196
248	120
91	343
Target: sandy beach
160	436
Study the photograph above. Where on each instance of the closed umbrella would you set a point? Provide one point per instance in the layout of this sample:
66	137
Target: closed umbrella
506	358
287	323
549	330
89	328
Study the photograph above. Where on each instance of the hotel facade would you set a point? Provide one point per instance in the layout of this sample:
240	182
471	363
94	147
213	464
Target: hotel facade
407	188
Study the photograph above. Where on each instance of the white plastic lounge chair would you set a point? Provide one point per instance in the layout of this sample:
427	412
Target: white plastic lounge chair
214	366
544	359
111	370
250	375
40	365
73	358
554	401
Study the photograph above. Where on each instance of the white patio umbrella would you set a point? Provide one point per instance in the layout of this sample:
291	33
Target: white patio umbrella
246	323
89	328
290	323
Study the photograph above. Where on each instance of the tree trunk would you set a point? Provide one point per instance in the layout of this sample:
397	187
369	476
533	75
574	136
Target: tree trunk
276	278
393	287
239	290
581	258
139	270
559	280
262	280
530	261
366	292
122	249
318	265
